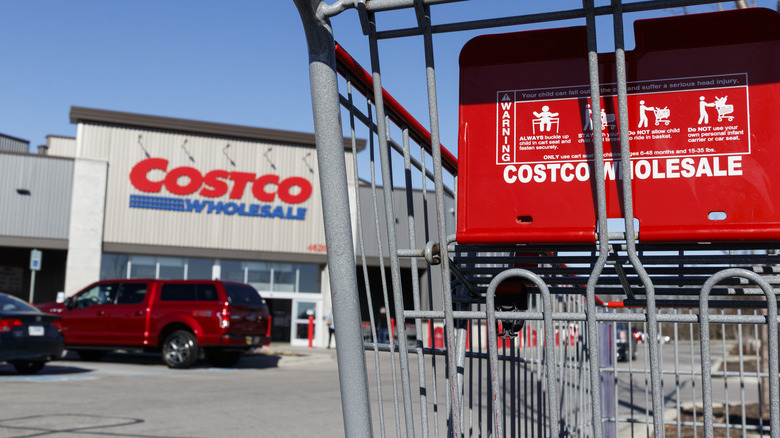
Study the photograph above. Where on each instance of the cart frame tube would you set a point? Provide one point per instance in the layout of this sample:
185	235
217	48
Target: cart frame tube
353	378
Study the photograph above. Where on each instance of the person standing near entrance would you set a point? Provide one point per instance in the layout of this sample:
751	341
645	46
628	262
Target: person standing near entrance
331	327
381	323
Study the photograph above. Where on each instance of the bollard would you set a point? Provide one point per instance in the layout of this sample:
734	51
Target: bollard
311	329
430	338
438	337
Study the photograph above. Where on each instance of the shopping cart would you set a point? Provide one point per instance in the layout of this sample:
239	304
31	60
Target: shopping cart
661	116
724	109
516	305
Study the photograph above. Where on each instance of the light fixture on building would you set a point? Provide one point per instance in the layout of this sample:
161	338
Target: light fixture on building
142	146
311	170
23	192
273	166
224	151
186	151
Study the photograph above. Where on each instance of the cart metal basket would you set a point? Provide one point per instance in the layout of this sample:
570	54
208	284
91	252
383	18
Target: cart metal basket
626	290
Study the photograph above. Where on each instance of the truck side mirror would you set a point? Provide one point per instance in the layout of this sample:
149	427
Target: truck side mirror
70	303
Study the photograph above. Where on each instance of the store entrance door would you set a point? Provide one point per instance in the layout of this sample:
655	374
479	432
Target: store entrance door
300	329
281	312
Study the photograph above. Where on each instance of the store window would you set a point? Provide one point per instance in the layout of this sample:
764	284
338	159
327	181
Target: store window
308	278
258	274
113	266
171	268
143	266
263	276
199	269
232	270
284	277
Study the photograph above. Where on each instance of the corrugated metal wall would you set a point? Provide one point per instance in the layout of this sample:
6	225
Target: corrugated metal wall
61	146
11	144
401	219
124	147
36	196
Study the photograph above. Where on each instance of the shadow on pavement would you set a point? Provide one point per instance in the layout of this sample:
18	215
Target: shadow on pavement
67	424
51	368
72	363
257	361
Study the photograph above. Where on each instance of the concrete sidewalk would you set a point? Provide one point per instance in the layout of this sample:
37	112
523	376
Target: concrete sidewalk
291	355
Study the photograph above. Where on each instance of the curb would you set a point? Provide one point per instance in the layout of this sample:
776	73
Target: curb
292	357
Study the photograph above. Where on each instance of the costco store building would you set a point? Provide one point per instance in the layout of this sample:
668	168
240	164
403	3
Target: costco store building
138	196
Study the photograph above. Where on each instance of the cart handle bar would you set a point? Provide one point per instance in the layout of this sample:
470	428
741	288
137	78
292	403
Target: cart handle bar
347	66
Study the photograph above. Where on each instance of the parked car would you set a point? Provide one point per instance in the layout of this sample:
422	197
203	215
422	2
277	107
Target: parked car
626	343
642	337
28	337
178	318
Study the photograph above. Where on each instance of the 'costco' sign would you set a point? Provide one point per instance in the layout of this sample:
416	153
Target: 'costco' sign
152	176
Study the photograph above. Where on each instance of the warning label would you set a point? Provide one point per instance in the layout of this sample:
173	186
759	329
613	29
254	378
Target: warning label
698	126
699	119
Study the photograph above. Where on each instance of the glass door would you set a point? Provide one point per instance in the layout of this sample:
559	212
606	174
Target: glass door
300	324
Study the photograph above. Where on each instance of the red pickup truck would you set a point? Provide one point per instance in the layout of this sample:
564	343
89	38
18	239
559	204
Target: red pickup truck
179	318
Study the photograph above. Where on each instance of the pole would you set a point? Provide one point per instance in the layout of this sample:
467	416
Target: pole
32	285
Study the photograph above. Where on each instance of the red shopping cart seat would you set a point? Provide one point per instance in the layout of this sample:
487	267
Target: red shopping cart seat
702	170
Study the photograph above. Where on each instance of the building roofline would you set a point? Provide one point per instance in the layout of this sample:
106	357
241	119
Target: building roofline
11	137
35	155
81	114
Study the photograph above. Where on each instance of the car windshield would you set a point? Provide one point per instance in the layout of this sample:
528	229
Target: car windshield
243	294
13	304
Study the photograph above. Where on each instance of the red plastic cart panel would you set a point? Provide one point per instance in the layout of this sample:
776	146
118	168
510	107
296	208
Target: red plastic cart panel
704	121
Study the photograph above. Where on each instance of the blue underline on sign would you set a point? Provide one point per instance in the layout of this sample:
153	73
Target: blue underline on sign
217	207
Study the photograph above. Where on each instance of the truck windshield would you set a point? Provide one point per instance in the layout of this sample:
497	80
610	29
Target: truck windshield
243	294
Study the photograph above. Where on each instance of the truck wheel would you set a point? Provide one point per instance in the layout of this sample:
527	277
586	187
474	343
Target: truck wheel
28	366
180	349
222	358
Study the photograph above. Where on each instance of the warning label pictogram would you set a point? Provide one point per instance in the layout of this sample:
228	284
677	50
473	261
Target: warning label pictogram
679	117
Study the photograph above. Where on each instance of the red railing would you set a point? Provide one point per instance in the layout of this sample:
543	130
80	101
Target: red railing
364	82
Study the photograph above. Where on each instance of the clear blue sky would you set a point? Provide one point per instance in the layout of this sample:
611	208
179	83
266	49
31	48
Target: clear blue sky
239	62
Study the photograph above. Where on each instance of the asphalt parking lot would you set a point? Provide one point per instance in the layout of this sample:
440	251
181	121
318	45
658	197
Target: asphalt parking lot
282	392
285	391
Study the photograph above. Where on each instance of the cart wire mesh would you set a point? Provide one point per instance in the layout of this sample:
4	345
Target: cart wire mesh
615	338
